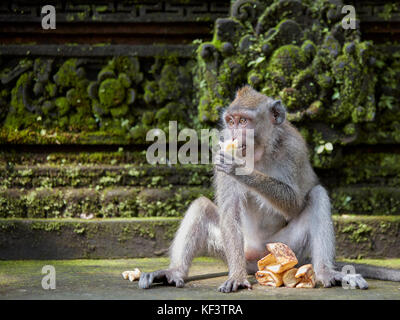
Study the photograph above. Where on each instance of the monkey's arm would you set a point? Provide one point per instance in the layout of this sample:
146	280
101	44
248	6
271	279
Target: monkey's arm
283	196
279	193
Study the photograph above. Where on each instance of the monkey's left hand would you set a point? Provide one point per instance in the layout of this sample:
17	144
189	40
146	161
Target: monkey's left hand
225	162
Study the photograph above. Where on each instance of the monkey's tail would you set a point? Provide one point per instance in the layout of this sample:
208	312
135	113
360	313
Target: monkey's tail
373	272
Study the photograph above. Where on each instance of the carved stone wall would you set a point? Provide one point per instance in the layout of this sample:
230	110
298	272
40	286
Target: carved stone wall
112	71
108	73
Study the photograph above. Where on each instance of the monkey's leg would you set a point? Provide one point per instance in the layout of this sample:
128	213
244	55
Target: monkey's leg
312	233
322	241
198	232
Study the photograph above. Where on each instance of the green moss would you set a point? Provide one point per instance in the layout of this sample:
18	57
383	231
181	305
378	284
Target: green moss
150	89
366	231
9	227
287	60
128	66
358	233
326	84
51	89
105	197
63	105
67	75
111	92
12	205
388	263
148	118
101	9
47	226
210	111
378	167
79	229
18	115
172	83
388	10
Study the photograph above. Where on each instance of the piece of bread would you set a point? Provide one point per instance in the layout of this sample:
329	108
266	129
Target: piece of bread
289	279
268	278
229	146
267	260
283	255
131	275
307	282
305	271
306	275
277	268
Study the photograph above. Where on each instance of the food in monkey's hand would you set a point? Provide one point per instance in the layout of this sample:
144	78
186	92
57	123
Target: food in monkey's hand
277	268
229	146
306	275
131	275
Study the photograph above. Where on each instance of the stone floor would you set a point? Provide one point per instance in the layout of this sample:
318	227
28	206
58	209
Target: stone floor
101	279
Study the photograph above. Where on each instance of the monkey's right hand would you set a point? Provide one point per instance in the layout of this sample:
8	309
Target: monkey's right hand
168	276
225	162
233	284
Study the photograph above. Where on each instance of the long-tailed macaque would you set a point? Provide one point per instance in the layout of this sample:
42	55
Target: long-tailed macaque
281	200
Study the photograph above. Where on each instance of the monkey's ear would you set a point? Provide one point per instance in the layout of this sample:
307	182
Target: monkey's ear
277	112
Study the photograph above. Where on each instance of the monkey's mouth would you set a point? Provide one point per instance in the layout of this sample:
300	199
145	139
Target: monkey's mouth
242	150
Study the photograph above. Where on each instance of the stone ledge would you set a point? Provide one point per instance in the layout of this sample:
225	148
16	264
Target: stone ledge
364	199
101	279
356	236
367	236
84	50
146	192
78	238
111	202
34	176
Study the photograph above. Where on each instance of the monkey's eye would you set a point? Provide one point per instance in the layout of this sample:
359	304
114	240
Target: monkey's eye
231	122
243	121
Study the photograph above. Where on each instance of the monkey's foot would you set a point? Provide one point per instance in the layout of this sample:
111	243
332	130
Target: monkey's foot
332	278
326	277
168	276
353	281
233	284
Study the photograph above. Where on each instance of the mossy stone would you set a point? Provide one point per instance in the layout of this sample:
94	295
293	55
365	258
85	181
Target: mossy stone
111	92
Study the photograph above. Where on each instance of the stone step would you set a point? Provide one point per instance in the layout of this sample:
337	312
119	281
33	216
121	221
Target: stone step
100	279
361	167
124	174
366	200
35	176
356	237
98	202
72	155
156	199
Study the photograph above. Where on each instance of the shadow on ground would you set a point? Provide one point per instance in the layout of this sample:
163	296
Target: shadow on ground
101	279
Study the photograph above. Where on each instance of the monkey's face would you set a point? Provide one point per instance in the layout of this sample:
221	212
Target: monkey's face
237	124
252	118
